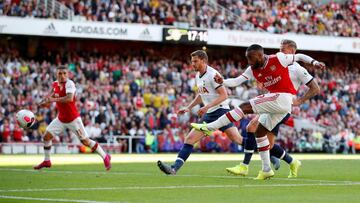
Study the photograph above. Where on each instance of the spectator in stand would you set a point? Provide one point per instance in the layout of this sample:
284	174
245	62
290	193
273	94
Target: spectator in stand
302	17
164	85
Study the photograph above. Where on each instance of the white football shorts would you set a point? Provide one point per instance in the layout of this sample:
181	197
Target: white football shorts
56	127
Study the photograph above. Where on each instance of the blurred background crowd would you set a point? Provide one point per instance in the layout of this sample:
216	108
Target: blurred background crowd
283	16
137	91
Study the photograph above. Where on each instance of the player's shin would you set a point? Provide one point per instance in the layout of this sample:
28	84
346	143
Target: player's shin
96	147
278	152
263	148
232	116
47	149
182	156
250	146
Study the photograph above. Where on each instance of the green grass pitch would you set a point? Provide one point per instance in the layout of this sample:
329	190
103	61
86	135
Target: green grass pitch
326	180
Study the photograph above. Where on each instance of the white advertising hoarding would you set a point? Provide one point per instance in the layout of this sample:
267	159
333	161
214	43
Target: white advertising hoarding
154	33
267	40
62	28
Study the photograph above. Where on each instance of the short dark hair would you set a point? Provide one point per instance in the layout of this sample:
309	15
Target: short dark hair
255	47
61	68
289	42
200	54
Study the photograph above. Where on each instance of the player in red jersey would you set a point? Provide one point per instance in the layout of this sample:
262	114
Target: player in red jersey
63	93
273	107
299	76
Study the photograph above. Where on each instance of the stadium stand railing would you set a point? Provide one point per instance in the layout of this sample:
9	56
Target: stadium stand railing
55	7
238	22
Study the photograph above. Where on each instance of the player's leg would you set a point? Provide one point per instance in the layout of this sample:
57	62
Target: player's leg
278	152
230	117
193	137
77	127
55	128
294	164
273	103
261	138
263	145
249	148
233	134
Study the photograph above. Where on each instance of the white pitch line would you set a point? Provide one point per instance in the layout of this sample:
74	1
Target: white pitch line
179	175
304	185
172	187
123	188
50	199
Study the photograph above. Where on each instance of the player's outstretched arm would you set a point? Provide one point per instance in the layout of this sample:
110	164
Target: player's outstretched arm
313	90
68	98
233	82
309	60
288	59
46	101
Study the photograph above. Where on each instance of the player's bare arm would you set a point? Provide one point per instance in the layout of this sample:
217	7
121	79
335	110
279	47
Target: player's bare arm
193	103
68	98
314	89
222	97
45	100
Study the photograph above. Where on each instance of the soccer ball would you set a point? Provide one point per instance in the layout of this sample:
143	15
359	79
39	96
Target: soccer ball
25	118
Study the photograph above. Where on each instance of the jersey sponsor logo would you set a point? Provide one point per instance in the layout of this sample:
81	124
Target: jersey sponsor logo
203	90
270	81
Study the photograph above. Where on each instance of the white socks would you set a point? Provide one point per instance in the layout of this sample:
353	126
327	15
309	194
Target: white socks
96	147
263	145
47	149
232	116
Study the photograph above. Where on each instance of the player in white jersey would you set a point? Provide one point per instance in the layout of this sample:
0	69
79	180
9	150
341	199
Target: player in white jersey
273	107
299	76
214	97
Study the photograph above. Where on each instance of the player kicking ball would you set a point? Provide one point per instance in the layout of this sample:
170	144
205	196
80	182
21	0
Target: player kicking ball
299	76
273	73
63	93
214	97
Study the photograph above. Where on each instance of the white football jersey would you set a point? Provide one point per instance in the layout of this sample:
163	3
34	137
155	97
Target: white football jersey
299	75
207	86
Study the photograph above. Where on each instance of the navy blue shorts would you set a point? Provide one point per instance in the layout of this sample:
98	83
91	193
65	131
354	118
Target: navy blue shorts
275	131
210	117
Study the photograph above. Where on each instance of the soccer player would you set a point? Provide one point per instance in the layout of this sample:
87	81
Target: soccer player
298	76
214	97
272	72
63	93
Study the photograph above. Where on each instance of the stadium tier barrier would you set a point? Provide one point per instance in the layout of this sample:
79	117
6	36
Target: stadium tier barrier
170	34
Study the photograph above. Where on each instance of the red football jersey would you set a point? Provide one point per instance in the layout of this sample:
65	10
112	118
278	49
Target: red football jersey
275	75
67	111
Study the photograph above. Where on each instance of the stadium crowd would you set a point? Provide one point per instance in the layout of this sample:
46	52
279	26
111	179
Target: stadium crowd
305	17
138	95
